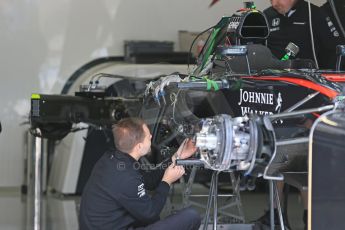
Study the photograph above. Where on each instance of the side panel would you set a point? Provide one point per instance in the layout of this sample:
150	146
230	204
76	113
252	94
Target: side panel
327	173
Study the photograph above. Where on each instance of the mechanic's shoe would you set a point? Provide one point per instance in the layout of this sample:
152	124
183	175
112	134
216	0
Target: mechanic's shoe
265	223
251	183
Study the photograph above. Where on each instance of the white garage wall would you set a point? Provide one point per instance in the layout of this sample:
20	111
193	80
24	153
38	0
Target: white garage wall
42	42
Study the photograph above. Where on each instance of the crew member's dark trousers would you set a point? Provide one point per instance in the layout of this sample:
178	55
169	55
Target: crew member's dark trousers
185	219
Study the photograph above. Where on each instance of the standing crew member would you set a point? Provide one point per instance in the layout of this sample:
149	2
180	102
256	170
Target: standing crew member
289	22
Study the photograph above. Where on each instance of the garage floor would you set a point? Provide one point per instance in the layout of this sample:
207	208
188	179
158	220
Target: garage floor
61	212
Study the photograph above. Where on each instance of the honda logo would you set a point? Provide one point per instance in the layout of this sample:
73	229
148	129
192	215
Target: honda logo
276	22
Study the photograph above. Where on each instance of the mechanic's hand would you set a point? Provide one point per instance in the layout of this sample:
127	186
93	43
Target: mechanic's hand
186	149
173	173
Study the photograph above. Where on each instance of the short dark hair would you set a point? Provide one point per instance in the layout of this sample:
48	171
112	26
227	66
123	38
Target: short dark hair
127	133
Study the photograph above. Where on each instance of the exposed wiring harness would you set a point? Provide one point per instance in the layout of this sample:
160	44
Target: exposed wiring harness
196	38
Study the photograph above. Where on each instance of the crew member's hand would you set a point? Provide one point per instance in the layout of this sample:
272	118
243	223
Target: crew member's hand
186	149
173	173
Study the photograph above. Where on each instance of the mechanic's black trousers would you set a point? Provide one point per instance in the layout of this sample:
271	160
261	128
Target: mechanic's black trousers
185	219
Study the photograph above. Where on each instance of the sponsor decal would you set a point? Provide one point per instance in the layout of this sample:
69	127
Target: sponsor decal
141	190
279	103
234	22
233	25
251	100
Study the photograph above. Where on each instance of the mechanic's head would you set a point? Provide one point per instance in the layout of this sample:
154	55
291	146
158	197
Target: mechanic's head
283	6
131	135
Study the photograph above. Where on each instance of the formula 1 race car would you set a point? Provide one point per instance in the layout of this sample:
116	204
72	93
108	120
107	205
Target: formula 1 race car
236	76
246	110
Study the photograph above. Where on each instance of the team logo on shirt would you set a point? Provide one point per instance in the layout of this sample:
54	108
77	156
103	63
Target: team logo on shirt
276	22
141	190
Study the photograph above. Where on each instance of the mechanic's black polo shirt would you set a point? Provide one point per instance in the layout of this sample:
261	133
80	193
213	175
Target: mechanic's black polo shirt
115	195
294	27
